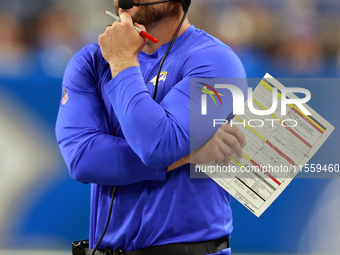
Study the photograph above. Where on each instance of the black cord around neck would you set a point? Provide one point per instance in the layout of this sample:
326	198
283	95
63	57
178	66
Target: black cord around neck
167	53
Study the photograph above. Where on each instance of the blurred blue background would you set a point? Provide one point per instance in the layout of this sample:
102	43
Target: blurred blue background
41	207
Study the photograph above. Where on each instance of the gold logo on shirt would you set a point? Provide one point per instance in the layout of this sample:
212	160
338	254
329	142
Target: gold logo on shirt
162	77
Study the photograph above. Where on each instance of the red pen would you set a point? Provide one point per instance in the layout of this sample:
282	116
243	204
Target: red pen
140	31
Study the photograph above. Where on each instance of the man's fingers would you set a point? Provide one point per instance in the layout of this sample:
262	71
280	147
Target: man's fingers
222	152
139	26
125	18
235	132
223	155
226	161
217	153
220	146
225	149
234	143
219	159
108	27
232	137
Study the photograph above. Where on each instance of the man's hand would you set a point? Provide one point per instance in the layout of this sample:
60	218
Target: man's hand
121	43
217	149
220	146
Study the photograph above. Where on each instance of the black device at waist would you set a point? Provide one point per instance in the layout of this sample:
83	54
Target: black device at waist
199	248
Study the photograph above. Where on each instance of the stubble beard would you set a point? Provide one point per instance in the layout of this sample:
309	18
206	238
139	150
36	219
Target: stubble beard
147	15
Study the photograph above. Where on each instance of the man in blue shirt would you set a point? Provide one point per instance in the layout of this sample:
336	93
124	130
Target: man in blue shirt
112	133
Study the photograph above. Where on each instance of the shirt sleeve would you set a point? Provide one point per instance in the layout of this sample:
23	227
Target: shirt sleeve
160	133
90	152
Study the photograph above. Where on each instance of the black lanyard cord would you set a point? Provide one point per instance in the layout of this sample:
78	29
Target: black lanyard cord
167	53
107	221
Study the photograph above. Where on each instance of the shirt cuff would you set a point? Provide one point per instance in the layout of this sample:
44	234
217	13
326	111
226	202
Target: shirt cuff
129	74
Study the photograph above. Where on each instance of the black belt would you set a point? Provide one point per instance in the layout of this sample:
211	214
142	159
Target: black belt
200	248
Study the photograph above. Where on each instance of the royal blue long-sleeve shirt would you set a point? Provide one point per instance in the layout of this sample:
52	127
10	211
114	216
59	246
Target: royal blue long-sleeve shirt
112	133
